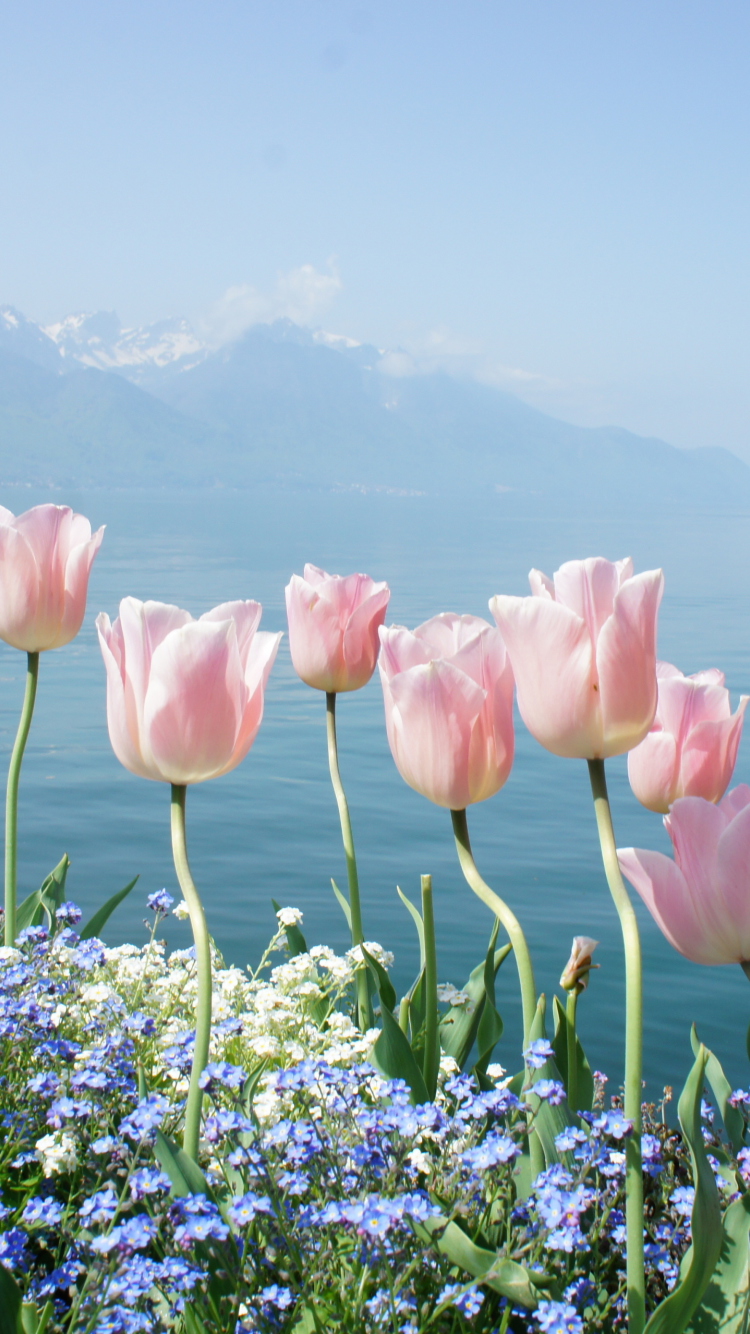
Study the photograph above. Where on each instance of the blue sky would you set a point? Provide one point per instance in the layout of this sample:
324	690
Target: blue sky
551	196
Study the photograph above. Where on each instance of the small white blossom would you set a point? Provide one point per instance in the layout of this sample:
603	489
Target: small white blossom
181	911
57	1153
451	995
289	917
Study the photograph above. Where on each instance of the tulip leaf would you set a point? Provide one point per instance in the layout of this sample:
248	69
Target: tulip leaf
294	937
673	1315
490	1027
460	1023
734	1121
505	1276
392	1053
102	915
185	1175
382	981
584	1077
417	916
46	899
726	1301
346	910
31	1321
10	1304
549	1121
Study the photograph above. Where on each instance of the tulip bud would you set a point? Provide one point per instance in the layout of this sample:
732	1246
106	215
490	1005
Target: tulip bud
576	972
46	556
333	628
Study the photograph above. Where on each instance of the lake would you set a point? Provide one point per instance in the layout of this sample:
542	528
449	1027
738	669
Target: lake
270	829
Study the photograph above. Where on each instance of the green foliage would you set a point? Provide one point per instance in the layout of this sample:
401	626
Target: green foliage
102	915
392	1053
549	1121
585	1079
460	1025
505	1276
674	1313
294	937
734	1122
45	900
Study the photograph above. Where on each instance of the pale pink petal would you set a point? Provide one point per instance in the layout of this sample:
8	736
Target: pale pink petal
143	626
401	649
626	663
735	801
653	771
550	649
665	671
673	904
257	671
123	728
433	710
19	591
732	878
541	585
624	570
361	639
6	516
246	617
695	827
683	705
588	588
194	702
710	677
47	531
709	756
314	575
77	572
315	636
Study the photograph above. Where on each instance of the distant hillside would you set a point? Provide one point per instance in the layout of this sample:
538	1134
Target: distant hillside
282	405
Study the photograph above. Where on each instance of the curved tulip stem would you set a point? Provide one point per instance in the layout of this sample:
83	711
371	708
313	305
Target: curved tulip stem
203	965
508	918
570	1032
11	797
520	950
633	1048
431	1037
364	1006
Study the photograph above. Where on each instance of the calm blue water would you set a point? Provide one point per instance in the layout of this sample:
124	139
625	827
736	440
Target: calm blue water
270	830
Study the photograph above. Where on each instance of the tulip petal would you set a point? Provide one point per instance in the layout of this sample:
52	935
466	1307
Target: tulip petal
433	709
553	663
194	702
735	801
653	771
588	587
123	726
77	572
260	660
541	585
246	617
709	756
19	591
401	649
626	663
695	827
732	879
143	627
361	641
315	636
672	902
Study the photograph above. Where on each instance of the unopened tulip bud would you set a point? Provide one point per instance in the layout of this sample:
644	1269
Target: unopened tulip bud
576	972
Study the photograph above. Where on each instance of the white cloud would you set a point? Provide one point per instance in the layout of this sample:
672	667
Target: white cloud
301	295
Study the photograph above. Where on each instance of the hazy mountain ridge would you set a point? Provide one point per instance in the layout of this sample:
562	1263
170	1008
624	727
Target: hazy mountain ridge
84	402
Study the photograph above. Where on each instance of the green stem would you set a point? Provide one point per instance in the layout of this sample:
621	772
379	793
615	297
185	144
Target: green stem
633	1048
431	1040
364	1006
570	1024
203	965
520	950
508	918
11	798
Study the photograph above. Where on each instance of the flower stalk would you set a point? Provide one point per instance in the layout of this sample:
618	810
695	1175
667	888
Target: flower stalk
633	1048
11	797
364	1005
202	940
432	1041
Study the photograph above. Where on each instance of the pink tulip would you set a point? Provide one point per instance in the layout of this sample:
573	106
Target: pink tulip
333	627
46	556
701	900
184	697
583	649
448	689
691	749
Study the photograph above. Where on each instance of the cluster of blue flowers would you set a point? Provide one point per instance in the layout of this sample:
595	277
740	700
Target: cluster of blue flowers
337	1195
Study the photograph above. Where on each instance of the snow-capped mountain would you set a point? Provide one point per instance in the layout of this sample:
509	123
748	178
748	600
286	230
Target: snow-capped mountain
99	340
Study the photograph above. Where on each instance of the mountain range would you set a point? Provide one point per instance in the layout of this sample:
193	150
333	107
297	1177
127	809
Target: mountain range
86	403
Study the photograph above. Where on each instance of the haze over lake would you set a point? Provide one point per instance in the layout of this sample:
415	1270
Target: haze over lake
269	830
